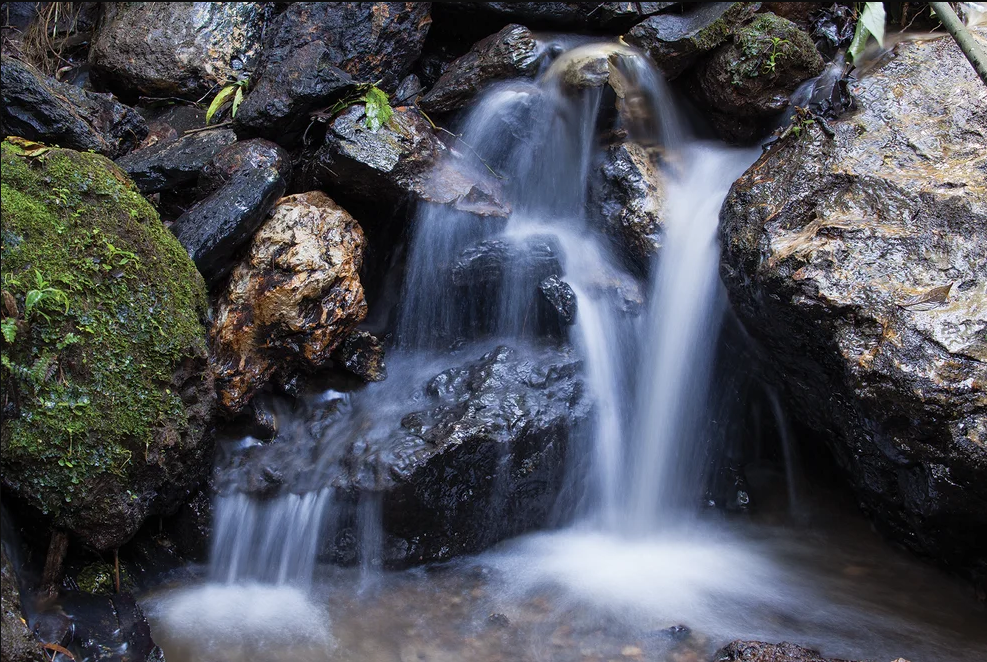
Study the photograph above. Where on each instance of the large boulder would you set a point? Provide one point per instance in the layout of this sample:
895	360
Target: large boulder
858	262
747	82
38	107
105	388
292	300
629	199
401	161
315	50
176	49
511	53
676	40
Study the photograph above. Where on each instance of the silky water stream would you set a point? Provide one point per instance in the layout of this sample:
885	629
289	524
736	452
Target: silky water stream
638	570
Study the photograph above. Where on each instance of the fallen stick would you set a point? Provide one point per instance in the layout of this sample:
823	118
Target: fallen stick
966	41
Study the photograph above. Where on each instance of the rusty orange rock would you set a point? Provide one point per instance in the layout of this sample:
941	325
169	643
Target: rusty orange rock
292	300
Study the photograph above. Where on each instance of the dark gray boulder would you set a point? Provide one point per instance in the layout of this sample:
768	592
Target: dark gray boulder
176	49
40	108
858	263
593	16
214	229
315	50
676	40
511	53
402	161
176	163
241	156
559	294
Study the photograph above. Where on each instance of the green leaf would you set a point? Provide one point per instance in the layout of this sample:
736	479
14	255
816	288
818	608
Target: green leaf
221	99
378	108
870	23
237	100
31	300
9	329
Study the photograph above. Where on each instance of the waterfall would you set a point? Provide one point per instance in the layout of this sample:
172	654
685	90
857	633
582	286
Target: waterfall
646	374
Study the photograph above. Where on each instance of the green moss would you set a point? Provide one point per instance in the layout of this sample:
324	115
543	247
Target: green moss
100	578
90	382
769	39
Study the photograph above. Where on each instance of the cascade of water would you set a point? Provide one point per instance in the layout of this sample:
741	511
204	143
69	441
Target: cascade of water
669	453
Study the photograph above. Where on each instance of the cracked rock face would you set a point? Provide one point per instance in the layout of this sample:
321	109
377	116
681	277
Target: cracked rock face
858	262
292	300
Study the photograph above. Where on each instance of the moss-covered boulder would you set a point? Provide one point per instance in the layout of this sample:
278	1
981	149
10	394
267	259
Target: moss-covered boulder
746	83
105	393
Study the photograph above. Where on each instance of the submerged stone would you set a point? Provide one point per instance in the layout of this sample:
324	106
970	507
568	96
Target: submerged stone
104	350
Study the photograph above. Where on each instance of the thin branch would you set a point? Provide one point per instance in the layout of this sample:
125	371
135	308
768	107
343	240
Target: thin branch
966	41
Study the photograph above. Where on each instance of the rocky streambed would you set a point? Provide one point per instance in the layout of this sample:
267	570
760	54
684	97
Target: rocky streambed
198	310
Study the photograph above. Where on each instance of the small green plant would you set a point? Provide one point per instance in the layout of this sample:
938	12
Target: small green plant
777	51
870	23
9	328
43	290
231	93
376	101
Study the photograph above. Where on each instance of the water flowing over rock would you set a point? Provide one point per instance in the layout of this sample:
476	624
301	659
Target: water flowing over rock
395	163
40	108
317	49
176	49
244	181
105	385
676	41
858	262
292	300
630	199
750	79
172	164
510	53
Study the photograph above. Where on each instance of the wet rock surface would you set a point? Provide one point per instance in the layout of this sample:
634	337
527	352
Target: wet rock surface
362	354
184	49
759	651
40	108
629	199
511	53
107	397
292	300
16	639
176	163
754	75
315	50
397	163
561	297
676	40
244	156
857	262
602	16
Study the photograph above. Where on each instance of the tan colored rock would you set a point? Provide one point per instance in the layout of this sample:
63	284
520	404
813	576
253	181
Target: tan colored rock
293	298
